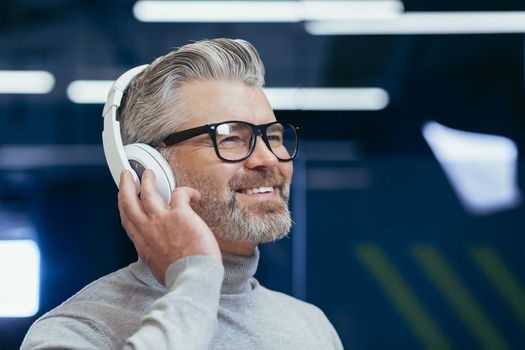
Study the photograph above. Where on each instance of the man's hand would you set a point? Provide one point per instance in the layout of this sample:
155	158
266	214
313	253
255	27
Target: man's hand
163	233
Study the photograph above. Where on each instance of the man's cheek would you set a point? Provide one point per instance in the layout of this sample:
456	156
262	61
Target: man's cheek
286	170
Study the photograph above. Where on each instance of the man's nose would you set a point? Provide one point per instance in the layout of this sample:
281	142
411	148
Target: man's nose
261	156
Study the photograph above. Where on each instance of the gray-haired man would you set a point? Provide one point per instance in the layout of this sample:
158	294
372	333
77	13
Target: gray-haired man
193	286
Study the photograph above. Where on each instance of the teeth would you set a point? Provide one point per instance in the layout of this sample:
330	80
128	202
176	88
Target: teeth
258	190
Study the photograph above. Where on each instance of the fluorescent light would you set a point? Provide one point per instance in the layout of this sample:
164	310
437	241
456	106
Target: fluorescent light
262	11
327	99
481	168
215	11
89	91
20	276
96	91
17	157
342	10
26	82
340	179
425	23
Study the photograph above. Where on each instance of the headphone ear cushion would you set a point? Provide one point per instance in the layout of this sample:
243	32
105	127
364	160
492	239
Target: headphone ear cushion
142	157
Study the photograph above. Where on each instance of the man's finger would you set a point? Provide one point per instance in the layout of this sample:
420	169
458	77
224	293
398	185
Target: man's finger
130	228
152	201
183	196
128	201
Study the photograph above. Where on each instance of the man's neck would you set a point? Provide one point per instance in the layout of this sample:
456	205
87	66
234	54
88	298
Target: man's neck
236	248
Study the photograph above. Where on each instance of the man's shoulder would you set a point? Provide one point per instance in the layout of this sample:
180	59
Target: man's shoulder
281	299
122	290
105	312
296	315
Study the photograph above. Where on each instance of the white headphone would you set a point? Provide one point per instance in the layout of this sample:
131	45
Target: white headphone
135	157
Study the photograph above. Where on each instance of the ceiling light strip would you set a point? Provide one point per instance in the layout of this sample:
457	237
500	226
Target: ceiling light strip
89	91
93	91
327	99
26	82
262	11
425	23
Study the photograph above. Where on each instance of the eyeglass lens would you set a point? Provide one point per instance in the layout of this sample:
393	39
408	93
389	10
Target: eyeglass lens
235	140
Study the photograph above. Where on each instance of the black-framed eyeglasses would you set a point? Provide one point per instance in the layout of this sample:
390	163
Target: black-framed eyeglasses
234	141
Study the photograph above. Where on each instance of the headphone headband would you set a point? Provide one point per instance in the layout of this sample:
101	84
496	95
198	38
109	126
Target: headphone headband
135	157
119	87
111	137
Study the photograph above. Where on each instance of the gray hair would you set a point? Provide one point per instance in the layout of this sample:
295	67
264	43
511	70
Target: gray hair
151	107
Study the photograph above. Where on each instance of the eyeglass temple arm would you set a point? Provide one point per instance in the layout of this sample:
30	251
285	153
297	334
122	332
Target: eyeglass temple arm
185	135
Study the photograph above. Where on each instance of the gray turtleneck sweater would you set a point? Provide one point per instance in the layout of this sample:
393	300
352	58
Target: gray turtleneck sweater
204	305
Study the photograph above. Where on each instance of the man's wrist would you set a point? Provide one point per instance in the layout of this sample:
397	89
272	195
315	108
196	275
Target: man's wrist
194	271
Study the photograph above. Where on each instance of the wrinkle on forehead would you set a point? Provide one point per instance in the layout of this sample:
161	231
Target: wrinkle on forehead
220	100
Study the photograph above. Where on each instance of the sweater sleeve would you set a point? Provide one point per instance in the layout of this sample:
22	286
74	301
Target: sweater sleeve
66	333
186	317
183	318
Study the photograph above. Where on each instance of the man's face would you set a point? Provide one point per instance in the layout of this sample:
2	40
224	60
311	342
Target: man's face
226	206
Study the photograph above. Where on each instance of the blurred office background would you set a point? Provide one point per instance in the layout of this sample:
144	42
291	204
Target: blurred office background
408	190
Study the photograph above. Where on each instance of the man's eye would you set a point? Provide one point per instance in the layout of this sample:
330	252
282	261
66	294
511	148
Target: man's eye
230	140
275	138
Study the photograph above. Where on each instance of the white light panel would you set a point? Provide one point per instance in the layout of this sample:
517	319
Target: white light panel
31	157
89	91
26	82
425	23
327	99
20	276
481	168
345	10
262	11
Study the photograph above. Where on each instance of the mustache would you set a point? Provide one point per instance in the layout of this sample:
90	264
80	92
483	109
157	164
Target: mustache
270	178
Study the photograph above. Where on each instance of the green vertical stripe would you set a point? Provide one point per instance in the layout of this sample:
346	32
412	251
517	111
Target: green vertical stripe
457	295
501	279
401	296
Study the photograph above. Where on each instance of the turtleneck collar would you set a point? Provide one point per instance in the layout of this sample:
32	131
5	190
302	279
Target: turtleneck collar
238	271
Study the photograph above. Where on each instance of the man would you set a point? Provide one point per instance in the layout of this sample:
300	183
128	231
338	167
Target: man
203	108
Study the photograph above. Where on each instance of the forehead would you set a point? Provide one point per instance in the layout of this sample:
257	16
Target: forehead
219	100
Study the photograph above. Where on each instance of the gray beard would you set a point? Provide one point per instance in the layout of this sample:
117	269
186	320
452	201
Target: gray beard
260	223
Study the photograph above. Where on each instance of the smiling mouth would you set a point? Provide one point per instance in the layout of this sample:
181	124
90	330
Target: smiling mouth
256	190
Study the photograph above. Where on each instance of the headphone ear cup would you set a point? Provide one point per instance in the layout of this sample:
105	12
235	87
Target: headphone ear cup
142	157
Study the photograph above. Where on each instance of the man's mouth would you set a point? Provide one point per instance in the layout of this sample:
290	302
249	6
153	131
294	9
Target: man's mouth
256	190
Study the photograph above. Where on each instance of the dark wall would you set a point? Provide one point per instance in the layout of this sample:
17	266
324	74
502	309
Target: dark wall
382	243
